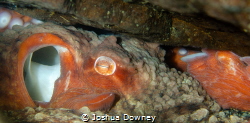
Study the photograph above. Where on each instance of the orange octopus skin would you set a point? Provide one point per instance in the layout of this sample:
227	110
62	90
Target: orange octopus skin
224	75
79	84
175	56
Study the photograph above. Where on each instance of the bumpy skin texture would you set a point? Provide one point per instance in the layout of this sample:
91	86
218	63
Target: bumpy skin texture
225	77
79	84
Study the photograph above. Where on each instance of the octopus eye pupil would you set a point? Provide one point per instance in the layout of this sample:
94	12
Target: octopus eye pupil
105	65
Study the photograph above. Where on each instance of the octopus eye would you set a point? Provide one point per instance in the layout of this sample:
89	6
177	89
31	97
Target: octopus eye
104	65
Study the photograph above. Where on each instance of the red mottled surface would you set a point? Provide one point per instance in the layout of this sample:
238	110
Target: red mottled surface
224	76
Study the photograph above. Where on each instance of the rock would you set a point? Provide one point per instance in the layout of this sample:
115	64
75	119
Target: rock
41	116
199	114
232	11
222	114
212	119
215	107
29	110
234	119
154	25
181	119
84	109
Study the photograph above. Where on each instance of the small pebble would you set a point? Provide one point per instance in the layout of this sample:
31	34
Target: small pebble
181	119
222	114
41	116
234	119
84	109
29	110
157	107
165	79
166	97
171	103
212	119
215	107
198	115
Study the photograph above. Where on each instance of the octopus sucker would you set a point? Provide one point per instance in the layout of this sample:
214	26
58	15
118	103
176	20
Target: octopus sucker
9	18
5	18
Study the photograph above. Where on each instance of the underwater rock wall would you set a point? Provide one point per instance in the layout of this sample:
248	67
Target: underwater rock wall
149	22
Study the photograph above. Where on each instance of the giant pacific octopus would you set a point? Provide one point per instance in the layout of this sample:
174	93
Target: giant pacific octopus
79	70
83	71
224	75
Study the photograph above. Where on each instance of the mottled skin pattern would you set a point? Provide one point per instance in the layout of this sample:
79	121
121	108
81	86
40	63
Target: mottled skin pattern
79	84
